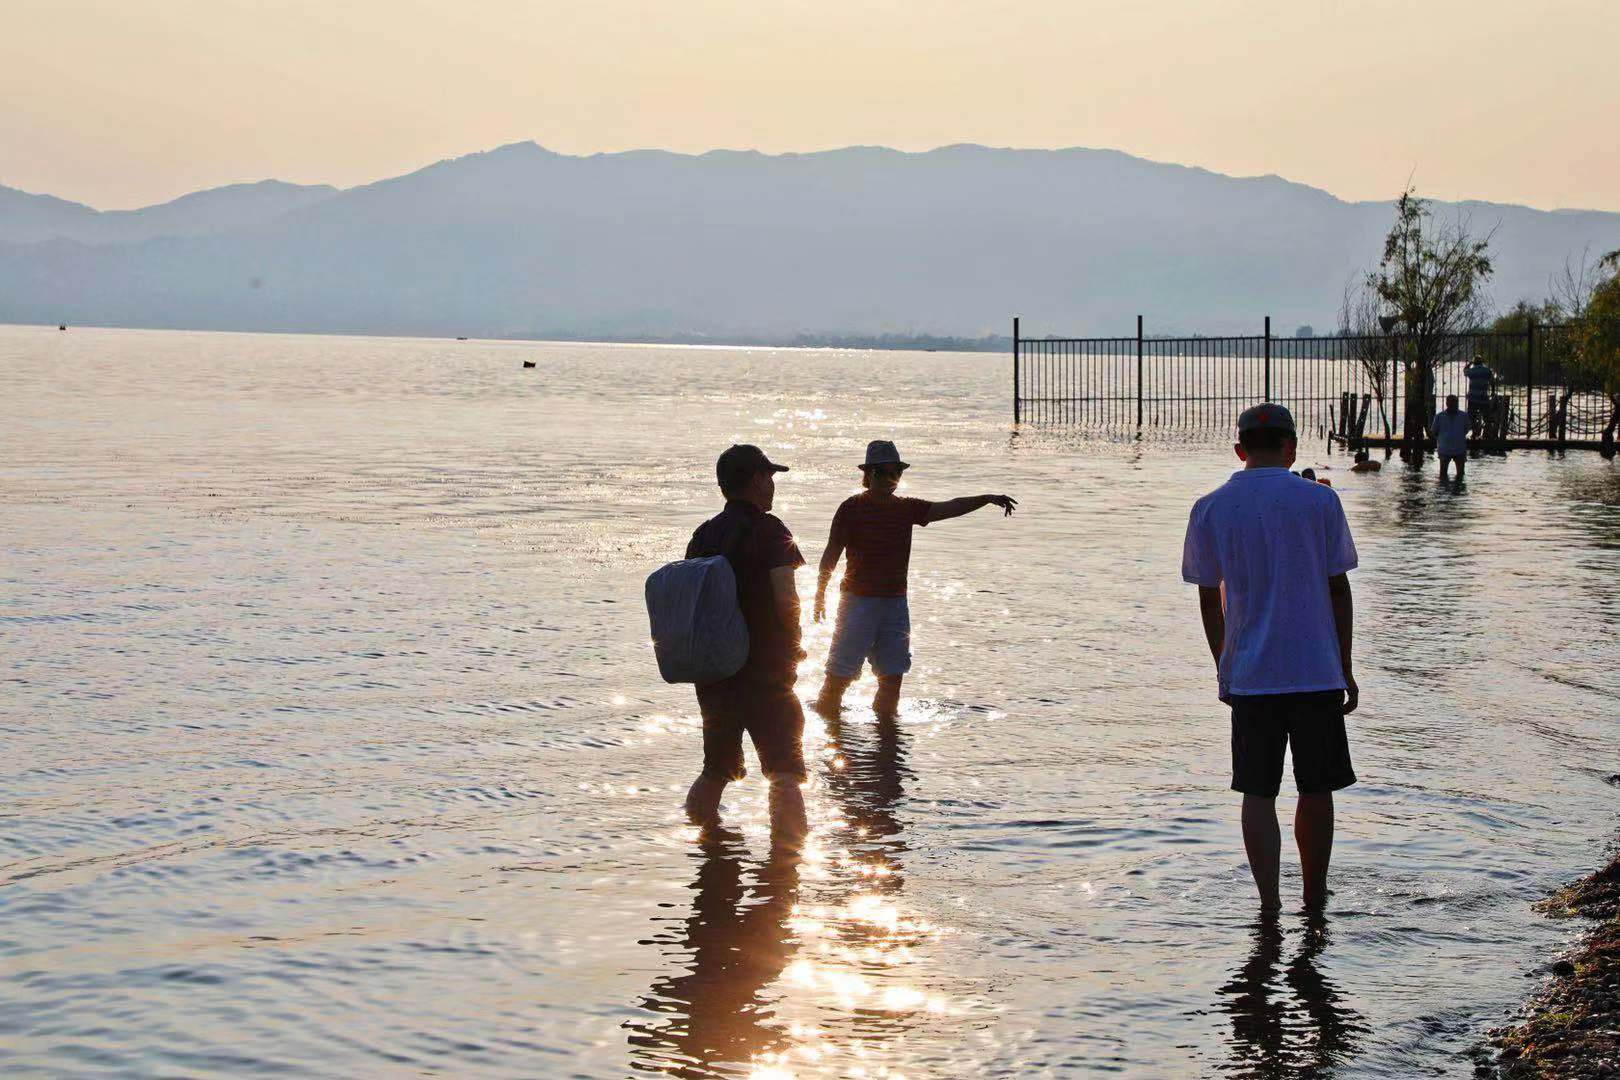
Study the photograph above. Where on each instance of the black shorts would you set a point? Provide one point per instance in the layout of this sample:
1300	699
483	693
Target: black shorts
1263	725
771	715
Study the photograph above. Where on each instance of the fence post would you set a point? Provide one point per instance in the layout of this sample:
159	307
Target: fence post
1139	371
1268	357
1395	362
1017	405
1529	379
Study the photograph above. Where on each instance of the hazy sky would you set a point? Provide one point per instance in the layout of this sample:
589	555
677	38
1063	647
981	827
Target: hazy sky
120	103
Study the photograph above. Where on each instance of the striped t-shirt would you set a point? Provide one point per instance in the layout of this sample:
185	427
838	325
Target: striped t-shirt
876	536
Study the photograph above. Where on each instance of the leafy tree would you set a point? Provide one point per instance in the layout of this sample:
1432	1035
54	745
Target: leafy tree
1509	358
1596	364
1430	281
1368	342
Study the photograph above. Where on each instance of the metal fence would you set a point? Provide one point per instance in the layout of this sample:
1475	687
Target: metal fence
1202	383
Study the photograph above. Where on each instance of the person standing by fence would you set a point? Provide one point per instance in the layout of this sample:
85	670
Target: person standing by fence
874	620
1270	554
1480	378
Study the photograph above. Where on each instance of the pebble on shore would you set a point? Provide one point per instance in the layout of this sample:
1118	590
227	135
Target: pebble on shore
1573	1028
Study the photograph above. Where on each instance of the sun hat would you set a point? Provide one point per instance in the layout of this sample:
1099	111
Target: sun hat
882	452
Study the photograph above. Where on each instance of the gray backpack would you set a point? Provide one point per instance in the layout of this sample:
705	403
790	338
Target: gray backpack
698	632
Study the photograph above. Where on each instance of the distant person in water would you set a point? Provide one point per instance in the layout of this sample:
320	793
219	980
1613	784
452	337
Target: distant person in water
1365	463
874	622
1480	380
1279	549
1451	427
1309	473
758	699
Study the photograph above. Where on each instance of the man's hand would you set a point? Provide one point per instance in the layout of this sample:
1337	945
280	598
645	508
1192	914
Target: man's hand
1007	503
819	612
1352	694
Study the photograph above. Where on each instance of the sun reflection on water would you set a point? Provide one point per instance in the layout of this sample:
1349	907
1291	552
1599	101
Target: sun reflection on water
802	964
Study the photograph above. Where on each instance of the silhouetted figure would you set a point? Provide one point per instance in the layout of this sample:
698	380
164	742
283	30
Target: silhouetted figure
874	620
758	699
1292	1026
1451	427
738	941
1270	554
1481	380
1365	463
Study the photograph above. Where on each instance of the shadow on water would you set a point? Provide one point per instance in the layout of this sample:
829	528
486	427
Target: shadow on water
755	950
1287	1021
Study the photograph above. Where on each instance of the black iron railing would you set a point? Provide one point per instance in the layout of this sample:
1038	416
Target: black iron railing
1331	384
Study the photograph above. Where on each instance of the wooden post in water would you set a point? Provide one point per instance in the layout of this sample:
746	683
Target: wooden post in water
1139	372
1268	357
1529	378
1017	406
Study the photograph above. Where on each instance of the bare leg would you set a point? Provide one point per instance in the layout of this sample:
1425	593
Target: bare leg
831	698
1262	839
1313	831
703	800
789	823
886	703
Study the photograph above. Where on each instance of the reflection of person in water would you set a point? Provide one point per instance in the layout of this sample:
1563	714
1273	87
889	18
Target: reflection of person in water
867	783
1299	1028
739	941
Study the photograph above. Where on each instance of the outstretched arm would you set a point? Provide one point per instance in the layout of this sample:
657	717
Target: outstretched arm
829	563
951	508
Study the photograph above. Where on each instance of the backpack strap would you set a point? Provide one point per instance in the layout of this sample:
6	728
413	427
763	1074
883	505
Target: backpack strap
733	550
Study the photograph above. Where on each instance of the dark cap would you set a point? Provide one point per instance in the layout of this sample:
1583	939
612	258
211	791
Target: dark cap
1266	415
740	462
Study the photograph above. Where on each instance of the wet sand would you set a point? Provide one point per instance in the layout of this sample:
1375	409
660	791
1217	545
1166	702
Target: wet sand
1573	1027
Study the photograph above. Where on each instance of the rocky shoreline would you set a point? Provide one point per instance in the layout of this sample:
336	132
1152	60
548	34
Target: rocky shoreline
1572	1029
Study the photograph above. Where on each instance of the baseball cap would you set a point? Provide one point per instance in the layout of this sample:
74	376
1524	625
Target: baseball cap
738	463
1266	415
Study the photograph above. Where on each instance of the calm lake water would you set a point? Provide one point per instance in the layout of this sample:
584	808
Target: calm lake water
334	744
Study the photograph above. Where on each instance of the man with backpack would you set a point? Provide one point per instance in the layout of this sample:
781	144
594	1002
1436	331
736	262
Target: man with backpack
759	698
1270	554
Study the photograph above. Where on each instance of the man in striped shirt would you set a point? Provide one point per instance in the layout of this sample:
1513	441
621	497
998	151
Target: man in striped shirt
874	622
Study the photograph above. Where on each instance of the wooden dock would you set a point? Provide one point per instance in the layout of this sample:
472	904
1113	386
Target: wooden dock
1378	442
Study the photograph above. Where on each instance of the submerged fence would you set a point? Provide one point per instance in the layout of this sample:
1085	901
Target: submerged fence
1330	384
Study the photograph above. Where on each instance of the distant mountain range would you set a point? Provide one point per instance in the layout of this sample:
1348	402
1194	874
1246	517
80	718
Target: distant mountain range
738	245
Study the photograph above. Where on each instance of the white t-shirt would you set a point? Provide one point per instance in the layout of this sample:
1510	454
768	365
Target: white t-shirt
1451	433
1273	540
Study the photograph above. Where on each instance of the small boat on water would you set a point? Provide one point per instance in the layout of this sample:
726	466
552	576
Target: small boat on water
461	339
